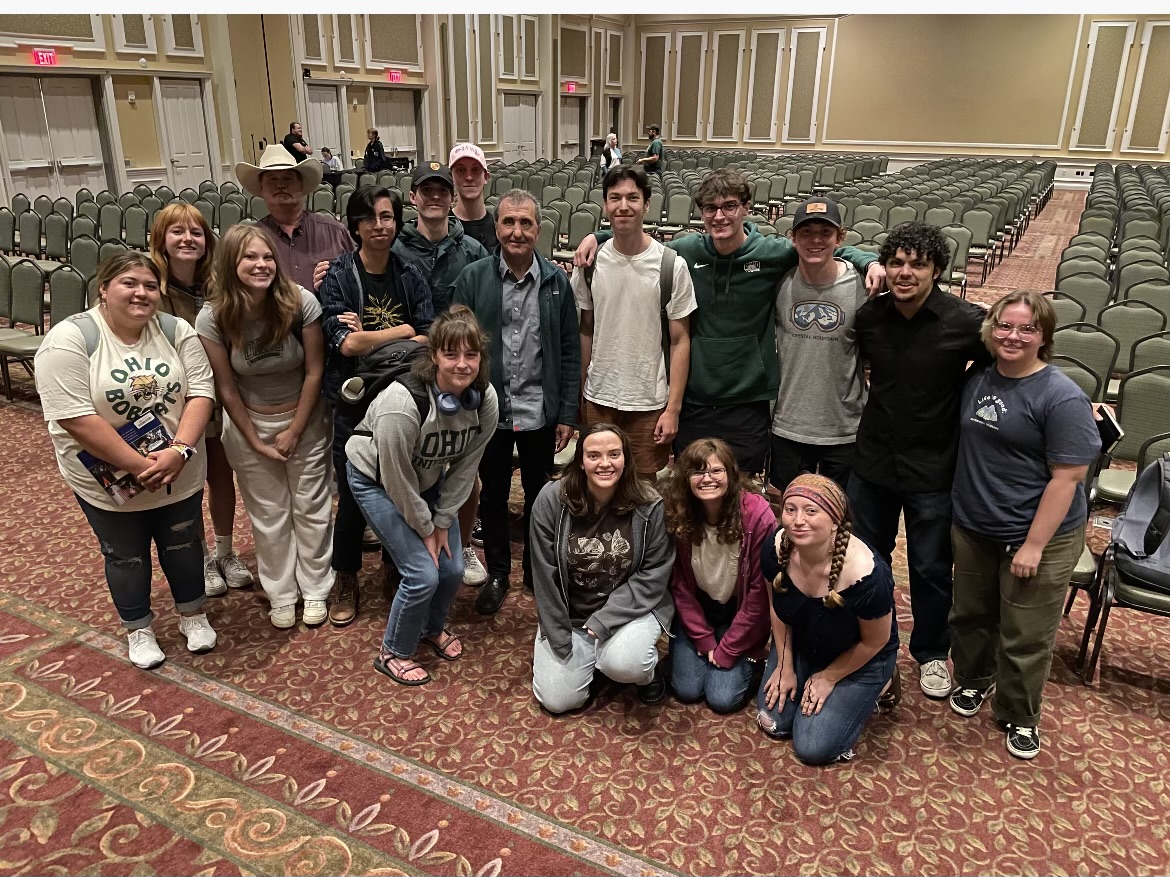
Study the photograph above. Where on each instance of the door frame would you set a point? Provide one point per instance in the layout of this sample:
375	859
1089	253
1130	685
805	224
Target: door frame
419	97
210	127
338	85
524	92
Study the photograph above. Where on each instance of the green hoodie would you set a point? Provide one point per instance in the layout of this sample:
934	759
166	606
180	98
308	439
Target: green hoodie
439	263
733	331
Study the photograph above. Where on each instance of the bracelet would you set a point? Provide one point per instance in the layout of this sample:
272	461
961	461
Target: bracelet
185	450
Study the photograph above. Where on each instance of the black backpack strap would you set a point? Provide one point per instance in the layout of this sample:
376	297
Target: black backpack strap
666	287
1160	523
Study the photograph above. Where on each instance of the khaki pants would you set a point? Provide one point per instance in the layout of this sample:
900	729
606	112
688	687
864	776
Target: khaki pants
289	504
1003	627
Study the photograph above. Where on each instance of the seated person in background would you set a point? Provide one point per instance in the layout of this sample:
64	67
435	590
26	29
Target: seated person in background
834	634
410	474
330	161
601	562
720	597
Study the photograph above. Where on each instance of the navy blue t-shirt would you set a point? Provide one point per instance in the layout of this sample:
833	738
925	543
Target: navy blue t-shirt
1010	430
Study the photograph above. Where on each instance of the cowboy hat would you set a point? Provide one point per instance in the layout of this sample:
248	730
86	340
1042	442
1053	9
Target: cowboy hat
277	158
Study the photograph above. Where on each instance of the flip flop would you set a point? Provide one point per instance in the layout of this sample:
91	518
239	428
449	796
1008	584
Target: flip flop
404	665
442	642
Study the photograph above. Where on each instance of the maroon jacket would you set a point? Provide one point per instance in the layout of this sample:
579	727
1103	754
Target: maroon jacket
751	627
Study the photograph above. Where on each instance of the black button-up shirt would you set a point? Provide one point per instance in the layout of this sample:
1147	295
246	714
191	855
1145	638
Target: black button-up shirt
908	438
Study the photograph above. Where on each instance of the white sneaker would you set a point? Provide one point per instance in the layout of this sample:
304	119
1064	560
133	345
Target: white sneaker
935	679
283	616
214	584
316	611
144	651
473	572
199	633
234	571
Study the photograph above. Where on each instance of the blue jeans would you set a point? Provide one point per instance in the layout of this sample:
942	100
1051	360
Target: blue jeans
694	678
125	537
822	738
928	552
425	595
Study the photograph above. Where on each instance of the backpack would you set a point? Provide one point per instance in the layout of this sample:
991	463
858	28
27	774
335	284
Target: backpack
665	289
1142	551
84	321
376	371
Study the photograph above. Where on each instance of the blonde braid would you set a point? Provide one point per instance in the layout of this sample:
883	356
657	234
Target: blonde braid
782	560
833	600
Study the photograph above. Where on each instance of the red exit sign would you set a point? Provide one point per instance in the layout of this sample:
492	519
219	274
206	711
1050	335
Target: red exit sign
394	75
570	87
44	57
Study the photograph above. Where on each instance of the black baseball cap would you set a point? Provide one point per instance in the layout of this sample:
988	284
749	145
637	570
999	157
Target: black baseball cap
431	170
817	208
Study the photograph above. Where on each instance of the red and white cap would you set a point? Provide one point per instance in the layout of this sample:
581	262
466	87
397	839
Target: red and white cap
467	150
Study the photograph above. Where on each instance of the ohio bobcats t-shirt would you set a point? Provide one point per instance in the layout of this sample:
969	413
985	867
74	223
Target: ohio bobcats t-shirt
120	383
600	559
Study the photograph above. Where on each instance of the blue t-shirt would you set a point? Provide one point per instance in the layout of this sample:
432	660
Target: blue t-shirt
1010	430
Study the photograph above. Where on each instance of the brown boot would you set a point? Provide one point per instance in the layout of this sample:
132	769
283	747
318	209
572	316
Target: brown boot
346	600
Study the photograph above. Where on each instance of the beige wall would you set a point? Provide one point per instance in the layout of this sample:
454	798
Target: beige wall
137	121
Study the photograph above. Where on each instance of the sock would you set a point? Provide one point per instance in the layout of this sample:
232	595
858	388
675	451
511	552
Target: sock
223	546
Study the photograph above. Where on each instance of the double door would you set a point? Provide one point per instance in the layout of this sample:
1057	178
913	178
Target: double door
572	128
396	118
520	128
323	122
51	136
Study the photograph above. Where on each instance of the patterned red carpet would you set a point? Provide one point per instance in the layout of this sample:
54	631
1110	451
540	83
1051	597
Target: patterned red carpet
284	752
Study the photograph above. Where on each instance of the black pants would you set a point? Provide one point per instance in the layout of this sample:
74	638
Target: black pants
350	524
790	459
535	449
745	427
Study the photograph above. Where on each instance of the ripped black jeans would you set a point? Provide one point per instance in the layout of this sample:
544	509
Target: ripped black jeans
125	537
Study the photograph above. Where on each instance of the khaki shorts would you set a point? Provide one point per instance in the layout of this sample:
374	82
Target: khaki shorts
639	427
215	425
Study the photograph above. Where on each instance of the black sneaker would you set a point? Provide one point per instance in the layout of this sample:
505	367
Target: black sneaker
966	701
1023	742
477	534
653	691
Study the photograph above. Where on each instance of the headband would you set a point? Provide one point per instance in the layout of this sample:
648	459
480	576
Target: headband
825	492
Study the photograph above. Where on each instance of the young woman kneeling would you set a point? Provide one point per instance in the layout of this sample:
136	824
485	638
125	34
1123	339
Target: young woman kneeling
410	474
719	593
835	637
601	563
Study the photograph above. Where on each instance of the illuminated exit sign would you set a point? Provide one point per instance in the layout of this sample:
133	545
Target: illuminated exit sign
44	57
570	87
394	75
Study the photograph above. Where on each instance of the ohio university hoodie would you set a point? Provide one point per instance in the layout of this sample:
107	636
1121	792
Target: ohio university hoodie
733	332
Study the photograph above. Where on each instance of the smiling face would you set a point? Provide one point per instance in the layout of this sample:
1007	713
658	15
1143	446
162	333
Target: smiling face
517	229
910	277
378	231
257	267
432	200
470	178
1015	338
603	461
132	297
805	523
455	369
625	206
281	188
723	218
709	485
815	241
184	242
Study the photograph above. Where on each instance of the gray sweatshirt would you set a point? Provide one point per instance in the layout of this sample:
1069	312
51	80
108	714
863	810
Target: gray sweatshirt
409	455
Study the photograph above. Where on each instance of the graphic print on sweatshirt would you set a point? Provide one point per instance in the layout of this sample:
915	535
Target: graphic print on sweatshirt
821	316
141	387
438	447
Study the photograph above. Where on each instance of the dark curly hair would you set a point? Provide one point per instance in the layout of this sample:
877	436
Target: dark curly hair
684	511
928	241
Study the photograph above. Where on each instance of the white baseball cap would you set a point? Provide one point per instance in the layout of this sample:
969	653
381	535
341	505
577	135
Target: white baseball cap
467	150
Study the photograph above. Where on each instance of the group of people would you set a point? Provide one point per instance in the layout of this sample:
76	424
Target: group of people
740	353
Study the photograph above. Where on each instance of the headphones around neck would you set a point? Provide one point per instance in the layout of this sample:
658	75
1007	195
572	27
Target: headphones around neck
449	404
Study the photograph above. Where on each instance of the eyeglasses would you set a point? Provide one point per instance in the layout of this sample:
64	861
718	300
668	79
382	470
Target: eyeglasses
1001	329
727	208
716	473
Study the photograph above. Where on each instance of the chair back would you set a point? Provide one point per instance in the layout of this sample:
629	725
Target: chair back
1130	321
1153	447
323	200
207	186
1080	265
110	248
89	209
1143	408
42	205
581	224
128	198
84	253
7	231
83	225
981	222
189	195
1139	272
28	295
83	194
229	214
868	228
30	234
105	197
110	223
56	237
1067	309
899	214
1084	377
207	209
5	288
63	206
164	194
66	294
143	191
1091	290
1087	343
257	209
866	211
1150	351
547	240
137	219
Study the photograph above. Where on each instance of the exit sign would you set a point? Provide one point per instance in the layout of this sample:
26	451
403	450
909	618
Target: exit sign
570	87
44	57
394	75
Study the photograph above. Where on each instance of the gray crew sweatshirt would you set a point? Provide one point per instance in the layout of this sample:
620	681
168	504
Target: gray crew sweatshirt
409	455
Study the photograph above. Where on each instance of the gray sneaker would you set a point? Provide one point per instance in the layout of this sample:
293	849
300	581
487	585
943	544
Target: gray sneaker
234	571
214	584
935	679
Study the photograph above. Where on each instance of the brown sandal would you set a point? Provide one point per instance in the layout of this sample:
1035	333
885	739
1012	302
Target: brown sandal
891	695
442	643
395	667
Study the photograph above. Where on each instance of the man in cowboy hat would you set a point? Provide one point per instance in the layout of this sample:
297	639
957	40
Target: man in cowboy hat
305	241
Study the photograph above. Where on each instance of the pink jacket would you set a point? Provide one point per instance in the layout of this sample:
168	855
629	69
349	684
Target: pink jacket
750	629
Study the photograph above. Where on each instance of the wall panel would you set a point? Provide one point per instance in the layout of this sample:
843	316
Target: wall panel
1096	124
1149	117
655	51
725	84
764	85
689	67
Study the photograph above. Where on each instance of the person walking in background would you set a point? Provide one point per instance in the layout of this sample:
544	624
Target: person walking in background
99	372
182	245
305	241
262	333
